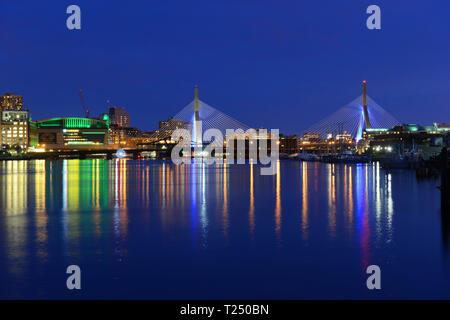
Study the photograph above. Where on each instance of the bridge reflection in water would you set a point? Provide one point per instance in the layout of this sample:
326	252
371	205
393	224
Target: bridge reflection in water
110	212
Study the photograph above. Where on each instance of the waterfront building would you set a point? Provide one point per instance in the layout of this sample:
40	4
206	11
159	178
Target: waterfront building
14	130
172	124
11	101
142	140
311	136
312	143
442	127
117	136
166	128
289	144
121	135
243	142
124	137
72	133
119	117
407	140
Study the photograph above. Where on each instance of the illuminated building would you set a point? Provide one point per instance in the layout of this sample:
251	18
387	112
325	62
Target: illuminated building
442	127
119	117
72	133
116	136
406	139
311	136
289	144
11	101
172	124
120	133
346	137
124	137
166	128
14	128
312	143
250	143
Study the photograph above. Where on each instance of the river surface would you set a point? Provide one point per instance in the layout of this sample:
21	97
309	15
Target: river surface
153	230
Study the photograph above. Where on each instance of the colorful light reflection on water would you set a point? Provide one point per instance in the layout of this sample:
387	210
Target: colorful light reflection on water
150	229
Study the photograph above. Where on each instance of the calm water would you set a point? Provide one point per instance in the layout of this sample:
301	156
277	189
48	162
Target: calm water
150	229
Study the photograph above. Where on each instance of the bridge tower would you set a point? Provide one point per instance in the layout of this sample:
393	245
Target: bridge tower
366	111
197	132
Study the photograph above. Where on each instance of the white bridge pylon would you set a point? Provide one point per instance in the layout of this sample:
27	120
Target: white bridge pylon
210	118
350	119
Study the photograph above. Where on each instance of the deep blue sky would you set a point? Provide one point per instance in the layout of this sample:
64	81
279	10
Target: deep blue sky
274	64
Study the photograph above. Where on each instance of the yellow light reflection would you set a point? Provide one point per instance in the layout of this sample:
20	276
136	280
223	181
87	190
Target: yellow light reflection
225	218
305	222
73	184
251	213
15	188
14	195
278	201
41	213
390	205
332	199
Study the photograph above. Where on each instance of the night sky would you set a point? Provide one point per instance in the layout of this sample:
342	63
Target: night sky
274	64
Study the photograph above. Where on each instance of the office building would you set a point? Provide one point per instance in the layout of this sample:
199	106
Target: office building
289	144
11	101
124	137
119	117
14	130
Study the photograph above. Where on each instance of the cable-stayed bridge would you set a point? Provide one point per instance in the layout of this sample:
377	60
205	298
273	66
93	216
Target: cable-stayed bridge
198	117
210	118
362	113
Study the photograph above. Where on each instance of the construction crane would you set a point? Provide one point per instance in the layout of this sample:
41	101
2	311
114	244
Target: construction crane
86	110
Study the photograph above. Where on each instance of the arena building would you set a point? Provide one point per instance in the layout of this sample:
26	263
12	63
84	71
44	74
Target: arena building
73	133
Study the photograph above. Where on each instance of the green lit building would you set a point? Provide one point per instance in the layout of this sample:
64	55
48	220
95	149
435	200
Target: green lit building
72	133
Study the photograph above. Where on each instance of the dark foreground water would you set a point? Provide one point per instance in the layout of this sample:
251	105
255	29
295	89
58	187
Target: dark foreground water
153	230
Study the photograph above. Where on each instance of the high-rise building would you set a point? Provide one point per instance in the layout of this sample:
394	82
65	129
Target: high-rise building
14	130
119	117
166	128
124	137
172	124
289	144
11	101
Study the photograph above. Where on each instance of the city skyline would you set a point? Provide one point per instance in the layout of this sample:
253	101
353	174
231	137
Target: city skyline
191	154
150	60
